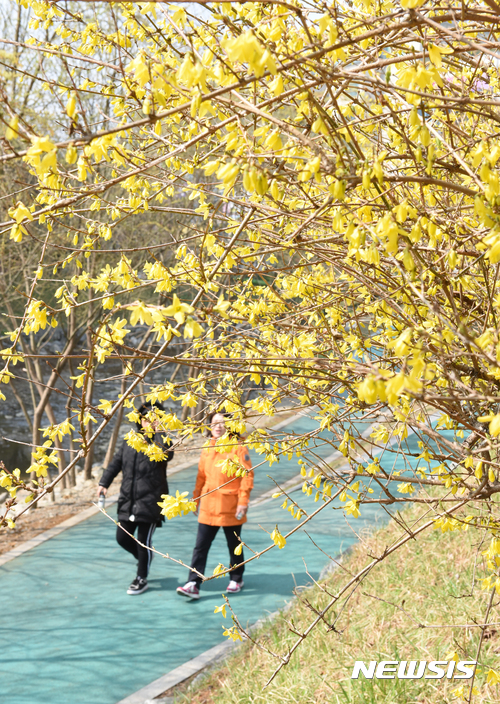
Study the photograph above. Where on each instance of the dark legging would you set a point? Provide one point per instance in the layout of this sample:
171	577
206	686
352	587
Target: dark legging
144	535
204	540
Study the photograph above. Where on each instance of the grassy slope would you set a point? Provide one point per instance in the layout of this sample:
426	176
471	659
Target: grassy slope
431	580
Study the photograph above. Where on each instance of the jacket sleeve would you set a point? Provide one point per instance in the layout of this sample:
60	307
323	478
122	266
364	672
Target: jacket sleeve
200	479
114	468
246	485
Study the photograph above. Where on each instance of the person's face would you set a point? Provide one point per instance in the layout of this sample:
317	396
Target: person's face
218	426
149	426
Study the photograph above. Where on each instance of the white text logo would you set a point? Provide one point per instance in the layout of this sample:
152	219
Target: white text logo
414	669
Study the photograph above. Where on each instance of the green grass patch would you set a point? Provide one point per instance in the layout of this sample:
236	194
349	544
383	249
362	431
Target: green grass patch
432	580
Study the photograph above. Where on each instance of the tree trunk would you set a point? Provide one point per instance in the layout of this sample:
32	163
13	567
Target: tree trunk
60	453
89	457
88	391
72	472
116	430
186	410
46	390
139	348
21	403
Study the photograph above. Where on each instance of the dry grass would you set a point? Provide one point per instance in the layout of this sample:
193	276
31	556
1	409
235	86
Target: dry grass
429	581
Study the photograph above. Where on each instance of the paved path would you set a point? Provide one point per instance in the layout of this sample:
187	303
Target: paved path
71	635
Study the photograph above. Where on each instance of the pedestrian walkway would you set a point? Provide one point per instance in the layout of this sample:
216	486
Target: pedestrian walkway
71	635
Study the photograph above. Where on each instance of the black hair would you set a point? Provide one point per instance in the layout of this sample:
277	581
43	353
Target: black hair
144	410
226	415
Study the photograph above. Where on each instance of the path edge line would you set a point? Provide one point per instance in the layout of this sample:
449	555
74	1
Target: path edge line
149	693
180	674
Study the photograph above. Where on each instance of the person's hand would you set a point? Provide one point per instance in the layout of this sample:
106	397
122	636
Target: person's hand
101	490
241	511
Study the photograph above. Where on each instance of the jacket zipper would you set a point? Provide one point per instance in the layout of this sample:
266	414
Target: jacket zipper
132	506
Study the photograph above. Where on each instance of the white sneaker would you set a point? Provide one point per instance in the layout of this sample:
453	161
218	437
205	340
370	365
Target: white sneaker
234	587
190	589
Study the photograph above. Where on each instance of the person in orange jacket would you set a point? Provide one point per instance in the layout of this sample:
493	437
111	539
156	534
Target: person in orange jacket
223	503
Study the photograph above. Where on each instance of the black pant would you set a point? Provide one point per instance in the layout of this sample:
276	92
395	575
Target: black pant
204	540
144	535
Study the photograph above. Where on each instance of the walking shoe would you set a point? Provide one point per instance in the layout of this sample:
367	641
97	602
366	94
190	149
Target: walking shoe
138	586
234	587
190	590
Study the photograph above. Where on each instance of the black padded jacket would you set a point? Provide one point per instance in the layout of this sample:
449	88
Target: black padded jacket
143	483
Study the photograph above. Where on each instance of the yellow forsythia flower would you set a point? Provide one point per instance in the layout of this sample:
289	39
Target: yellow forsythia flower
71	106
232	633
278	539
220	610
178	505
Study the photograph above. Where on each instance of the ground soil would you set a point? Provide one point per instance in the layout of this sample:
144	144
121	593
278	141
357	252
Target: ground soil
48	514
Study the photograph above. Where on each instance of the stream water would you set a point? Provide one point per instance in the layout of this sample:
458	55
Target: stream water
14	430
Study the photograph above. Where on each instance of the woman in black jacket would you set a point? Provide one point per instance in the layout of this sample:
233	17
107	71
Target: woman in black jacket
143	483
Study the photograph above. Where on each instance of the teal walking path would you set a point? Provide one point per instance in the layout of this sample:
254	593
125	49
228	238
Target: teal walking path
71	635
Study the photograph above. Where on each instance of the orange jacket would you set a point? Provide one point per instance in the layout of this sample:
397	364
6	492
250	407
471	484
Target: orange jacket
218	508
